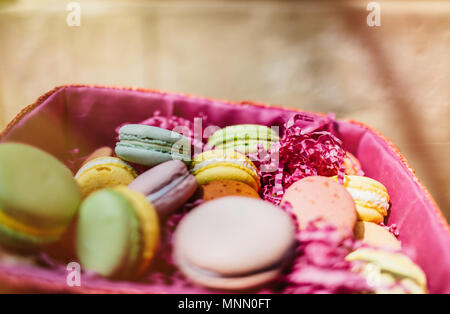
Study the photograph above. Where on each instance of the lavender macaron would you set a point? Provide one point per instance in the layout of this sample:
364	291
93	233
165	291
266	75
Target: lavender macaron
167	186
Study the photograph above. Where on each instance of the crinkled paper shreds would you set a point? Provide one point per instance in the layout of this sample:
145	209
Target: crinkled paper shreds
301	152
320	265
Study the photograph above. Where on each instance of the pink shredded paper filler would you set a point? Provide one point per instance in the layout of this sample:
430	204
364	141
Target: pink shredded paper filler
301	152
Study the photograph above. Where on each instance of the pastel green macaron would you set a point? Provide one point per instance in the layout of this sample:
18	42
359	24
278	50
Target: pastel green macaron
117	233
389	272
150	146
38	196
243	138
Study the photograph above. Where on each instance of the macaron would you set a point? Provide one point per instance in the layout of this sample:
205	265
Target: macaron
104	172
243	138
103	151
376	235
389	272
222	188
38	197
117	233
352	165
370	196
214	165
167	186
150	146
233	243
317	197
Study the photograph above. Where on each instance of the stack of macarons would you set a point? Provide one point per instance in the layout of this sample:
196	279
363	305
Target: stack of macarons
219	165
120	199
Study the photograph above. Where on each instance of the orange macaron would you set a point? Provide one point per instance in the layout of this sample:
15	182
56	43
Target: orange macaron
221	188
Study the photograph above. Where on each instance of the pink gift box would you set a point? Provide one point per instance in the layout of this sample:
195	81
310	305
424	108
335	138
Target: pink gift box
85	117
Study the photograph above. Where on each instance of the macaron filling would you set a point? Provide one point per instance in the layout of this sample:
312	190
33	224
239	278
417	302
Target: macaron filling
16	225
241	163
215	274
377	200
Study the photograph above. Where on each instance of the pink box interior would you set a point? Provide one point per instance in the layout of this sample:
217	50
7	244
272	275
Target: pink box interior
85	117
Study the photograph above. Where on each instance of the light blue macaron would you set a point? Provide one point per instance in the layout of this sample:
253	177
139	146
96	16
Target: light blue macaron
150	146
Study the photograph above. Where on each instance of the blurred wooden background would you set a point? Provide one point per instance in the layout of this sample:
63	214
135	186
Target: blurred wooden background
314	55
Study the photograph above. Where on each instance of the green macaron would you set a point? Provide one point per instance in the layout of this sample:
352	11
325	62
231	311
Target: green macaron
243	138
117	233
150	146
38	196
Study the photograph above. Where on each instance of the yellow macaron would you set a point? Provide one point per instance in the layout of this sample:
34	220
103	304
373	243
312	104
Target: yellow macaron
370	196
216	165
104	172
388	272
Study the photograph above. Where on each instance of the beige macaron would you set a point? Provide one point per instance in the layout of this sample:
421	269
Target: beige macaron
376	235
233	243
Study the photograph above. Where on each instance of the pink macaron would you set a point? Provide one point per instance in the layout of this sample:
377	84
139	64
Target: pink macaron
322	198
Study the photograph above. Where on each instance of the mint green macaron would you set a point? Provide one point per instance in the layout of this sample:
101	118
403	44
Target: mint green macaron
150	146
243	138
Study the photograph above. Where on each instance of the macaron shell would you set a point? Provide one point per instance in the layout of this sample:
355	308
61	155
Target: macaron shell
102	173
176	197
243	131
397	265
223	171
140	131
142	156
36	189
225	236
216	165
168	186
376	235
108	233
159	176
321	198
222	188
231	283
148	145
370	196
